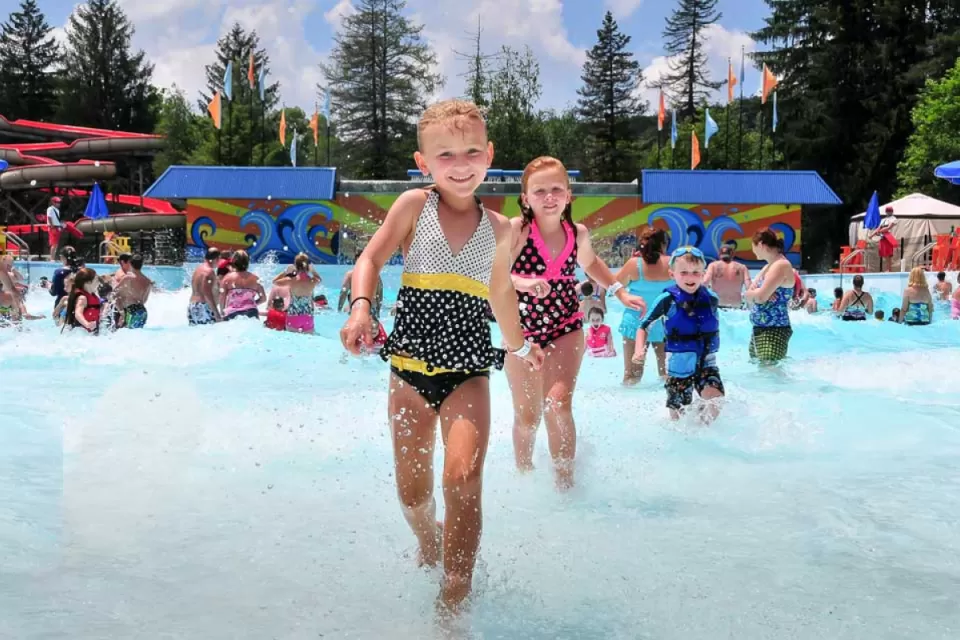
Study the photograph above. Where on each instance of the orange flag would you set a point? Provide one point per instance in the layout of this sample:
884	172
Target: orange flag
694	150
214	109
283	127
315	126
661	112
769	82
731	81
250	75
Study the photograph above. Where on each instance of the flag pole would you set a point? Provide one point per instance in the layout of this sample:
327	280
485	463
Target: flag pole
762	112
219	154
659	145
252	90
328	139
726	161
740	134
316	147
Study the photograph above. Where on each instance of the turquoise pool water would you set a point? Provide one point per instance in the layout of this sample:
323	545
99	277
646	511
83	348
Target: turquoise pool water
232	482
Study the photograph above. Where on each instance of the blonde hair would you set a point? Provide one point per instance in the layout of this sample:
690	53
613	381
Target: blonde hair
918	278
453	113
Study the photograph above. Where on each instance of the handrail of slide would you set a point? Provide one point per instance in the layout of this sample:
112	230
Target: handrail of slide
851	256
926	247
111	245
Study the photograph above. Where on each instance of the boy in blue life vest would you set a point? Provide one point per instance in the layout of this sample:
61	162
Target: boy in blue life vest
692	330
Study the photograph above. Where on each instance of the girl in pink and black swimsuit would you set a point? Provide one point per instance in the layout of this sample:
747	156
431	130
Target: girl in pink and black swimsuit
547	247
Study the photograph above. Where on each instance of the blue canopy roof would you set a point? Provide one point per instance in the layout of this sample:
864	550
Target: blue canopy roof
736	187
949	171
245	183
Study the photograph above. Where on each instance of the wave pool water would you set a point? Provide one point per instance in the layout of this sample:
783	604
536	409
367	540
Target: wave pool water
233	482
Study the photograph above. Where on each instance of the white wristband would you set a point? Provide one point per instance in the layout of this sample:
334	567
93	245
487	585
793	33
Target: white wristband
616	286
522	351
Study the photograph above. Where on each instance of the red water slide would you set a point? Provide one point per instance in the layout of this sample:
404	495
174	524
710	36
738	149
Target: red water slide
65	156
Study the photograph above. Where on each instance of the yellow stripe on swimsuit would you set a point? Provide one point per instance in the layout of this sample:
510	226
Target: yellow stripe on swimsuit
419	366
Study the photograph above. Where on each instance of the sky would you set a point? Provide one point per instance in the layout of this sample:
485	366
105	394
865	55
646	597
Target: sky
179	37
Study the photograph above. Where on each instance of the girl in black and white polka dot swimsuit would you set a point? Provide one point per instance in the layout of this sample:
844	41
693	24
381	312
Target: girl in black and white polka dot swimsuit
547	247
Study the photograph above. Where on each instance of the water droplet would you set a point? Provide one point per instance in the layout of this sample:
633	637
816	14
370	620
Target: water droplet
96	163
286	248
33	183
269	197
269	486
403	450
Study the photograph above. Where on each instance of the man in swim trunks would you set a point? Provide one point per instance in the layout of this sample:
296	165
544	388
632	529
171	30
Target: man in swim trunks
131	293
727	279
206	289
123	260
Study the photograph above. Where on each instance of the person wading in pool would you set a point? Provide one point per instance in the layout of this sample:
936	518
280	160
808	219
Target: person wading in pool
456	258
771	294
345	292
11	303
240	291
917	304
130	296
728	279
547	248
857	304
300	280
203	307
943	288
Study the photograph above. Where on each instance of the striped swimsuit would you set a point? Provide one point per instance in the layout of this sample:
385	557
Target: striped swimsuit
441	337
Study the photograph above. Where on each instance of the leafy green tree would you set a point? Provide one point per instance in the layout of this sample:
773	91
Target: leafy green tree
513	122
183	129
105	83
688	80
608	102
28	55
380	74
564	138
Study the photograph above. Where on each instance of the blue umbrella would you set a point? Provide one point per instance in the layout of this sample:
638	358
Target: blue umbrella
949	171
96	205
872	219
3	165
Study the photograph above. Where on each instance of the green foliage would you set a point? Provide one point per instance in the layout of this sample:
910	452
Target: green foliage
513	122
688	81
608	102
28	55
105	84
183	129
381	73
935	140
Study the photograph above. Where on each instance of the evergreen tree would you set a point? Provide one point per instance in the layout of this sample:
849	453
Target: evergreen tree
183	129
611	78
688	81
513	123
105	84
564	137
380	74
478	72
28	54
243	120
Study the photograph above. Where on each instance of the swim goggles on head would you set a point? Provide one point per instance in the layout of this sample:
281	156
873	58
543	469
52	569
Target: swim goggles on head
682	251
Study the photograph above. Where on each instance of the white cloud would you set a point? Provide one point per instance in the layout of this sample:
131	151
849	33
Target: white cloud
623	8
342	9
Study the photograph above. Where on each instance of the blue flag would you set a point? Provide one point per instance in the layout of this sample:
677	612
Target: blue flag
710	129
776	120
228	81
872	219
673	129
293	149
262	81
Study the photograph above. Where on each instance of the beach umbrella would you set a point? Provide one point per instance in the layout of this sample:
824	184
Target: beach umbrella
949	171
96	205
872	219
3	165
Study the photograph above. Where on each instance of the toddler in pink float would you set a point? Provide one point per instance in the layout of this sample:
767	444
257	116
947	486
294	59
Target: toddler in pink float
599	339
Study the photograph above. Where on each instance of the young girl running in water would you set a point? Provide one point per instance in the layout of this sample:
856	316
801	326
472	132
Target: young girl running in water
546	249
456	258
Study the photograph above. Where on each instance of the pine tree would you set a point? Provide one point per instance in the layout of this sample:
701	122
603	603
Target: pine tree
478	72
513	122
611	78
689	81
245	137
105	84
380	73
28	54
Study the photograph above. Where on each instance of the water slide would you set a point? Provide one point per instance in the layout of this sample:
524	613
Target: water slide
71	159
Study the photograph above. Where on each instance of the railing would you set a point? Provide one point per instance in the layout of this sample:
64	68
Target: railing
23	249
110	244
926	247
850	256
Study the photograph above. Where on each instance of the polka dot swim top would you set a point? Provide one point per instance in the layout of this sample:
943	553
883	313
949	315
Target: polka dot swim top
441	316
558	313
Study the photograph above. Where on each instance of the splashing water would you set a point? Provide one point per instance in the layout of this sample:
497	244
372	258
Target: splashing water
228	481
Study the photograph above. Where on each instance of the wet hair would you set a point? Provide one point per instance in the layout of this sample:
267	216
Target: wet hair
136	261
895	313
653	242
301	262
320	298
595	310
241	261
858	282
941	276
838	293
586	289
81	279
124	257
879	314
812	292
452	113
104	289
212	254
278	303
918	278
768	239
540	164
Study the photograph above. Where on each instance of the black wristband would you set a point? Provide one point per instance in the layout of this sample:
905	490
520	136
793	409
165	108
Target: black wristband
356	300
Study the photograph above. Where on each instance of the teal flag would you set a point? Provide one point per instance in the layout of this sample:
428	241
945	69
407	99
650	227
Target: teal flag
710	129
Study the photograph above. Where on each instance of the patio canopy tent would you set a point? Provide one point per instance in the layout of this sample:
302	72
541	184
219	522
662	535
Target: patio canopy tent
919	219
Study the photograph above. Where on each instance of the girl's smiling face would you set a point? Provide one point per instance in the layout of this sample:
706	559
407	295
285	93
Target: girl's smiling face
548	192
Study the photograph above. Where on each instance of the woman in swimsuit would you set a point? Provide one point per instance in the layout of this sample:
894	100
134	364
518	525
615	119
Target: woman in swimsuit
770	294
547	248
240	291
856	305
955	301
646	275
917	303
300	280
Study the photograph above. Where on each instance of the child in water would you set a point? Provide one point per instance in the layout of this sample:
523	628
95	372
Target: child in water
599	338
456	258
811	304
276	316
692	328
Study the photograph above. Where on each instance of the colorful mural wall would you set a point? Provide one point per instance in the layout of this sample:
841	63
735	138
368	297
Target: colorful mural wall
328	231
